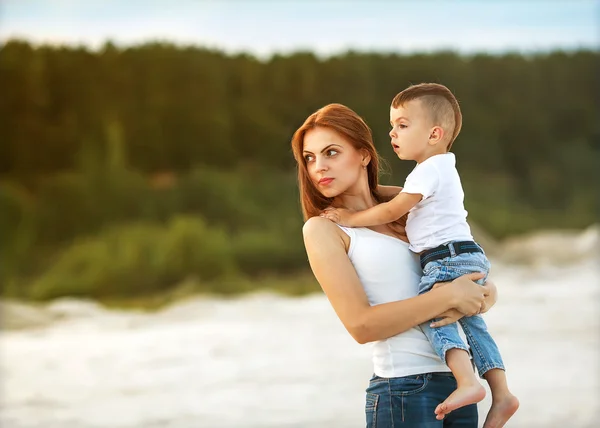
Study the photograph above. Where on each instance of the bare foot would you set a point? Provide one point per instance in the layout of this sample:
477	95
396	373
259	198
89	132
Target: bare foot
462	396
501	411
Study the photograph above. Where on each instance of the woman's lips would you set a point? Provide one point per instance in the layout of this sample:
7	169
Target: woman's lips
325	181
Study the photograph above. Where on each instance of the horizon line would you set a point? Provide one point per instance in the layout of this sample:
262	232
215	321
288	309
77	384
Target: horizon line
99	47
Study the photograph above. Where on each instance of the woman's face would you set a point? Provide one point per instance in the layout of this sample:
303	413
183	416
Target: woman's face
333	164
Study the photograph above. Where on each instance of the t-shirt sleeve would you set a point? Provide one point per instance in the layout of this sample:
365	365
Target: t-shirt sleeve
424	180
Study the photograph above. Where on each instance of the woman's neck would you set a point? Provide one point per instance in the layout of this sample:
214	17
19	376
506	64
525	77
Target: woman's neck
356	198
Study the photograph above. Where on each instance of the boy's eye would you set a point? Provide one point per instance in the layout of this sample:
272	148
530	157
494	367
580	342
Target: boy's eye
402	126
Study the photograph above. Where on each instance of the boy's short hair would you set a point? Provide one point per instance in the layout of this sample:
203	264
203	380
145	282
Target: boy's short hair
439	101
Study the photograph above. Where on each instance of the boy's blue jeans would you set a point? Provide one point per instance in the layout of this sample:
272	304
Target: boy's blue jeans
486	355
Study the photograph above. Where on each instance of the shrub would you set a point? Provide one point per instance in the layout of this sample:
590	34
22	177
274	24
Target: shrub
138	258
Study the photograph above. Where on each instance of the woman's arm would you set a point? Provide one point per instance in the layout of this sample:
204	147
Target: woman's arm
333	270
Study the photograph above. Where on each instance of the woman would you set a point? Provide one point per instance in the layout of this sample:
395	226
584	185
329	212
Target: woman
370	277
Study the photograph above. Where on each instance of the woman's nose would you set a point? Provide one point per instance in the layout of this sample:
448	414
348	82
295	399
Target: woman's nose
320	163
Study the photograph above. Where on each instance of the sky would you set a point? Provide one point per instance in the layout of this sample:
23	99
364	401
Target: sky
325	27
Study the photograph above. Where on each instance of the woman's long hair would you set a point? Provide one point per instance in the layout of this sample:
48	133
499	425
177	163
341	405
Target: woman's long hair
353	129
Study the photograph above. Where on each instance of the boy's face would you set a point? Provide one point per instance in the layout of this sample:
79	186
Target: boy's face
411	131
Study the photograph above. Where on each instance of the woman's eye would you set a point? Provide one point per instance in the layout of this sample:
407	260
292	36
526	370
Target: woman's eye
332	152
308	158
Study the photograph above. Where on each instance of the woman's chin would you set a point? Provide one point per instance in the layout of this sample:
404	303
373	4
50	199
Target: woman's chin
329	193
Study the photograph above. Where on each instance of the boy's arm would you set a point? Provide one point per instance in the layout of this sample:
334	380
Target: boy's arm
379	214
388	191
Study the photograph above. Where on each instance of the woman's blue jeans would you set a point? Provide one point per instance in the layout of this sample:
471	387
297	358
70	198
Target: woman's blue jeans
410	401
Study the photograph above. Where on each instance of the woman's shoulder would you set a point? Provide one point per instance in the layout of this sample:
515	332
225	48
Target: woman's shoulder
322	230
324	237
317	226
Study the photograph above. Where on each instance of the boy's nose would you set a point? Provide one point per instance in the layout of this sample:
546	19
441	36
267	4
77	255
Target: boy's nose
392	133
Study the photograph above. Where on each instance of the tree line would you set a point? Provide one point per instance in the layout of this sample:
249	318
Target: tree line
91	140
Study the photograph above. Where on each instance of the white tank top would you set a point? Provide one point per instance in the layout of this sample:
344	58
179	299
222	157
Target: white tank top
389	271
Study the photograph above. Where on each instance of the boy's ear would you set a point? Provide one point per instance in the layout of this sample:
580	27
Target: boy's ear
436	135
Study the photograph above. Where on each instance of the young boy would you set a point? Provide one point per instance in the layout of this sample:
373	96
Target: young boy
425	121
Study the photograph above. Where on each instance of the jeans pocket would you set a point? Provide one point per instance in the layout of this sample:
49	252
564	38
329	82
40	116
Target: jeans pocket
431	268
371	409
408	384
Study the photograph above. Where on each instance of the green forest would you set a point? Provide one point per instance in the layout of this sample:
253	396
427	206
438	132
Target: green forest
138	171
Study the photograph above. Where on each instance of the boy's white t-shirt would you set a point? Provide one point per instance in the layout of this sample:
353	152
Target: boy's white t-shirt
440	216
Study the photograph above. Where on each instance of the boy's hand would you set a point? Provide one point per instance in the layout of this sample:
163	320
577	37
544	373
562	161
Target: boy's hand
341	216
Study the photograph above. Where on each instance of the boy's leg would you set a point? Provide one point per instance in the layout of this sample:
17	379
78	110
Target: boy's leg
468	391
452	350
490	366
504	403
486	354
446	337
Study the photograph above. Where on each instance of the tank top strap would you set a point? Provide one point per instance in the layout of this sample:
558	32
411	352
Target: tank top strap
351	232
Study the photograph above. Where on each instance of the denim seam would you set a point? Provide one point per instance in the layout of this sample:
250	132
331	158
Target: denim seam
487	367
375	412
401	407
447	345
462	266
375	415
374	409
474	345
391	405
375	398
404	395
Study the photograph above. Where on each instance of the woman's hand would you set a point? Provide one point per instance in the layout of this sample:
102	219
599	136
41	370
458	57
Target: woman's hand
448	317
453	315
469	296
491	296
